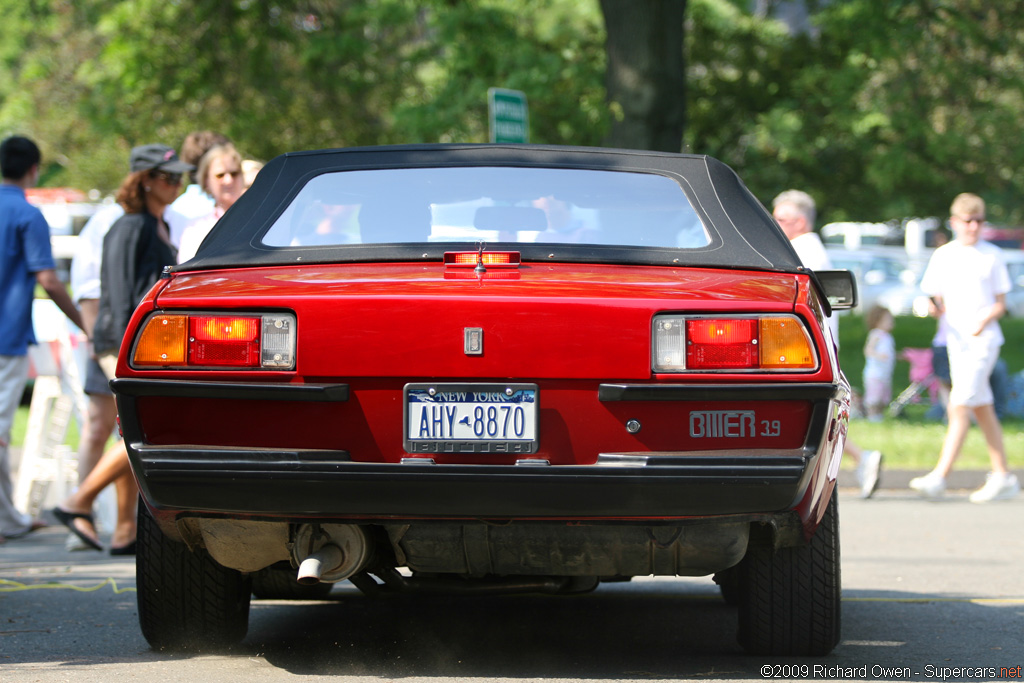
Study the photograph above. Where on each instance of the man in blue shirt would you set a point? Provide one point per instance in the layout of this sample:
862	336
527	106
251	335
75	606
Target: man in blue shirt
25	260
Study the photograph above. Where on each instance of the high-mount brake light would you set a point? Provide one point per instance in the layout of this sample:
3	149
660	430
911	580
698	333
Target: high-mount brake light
734	343
210	340
490	259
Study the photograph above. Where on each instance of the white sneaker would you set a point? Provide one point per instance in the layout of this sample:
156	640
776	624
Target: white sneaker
997	487
73	543
867	472
931	485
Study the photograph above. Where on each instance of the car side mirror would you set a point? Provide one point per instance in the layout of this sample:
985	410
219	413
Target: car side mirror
840	288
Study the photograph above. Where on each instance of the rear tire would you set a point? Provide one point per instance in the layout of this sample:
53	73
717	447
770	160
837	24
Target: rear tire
186	600
278	583
728	584
790	598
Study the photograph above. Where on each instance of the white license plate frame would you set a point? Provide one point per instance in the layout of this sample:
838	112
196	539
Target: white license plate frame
471	417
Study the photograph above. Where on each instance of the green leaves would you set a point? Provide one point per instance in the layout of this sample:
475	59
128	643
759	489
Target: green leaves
290	75
887	110
882	110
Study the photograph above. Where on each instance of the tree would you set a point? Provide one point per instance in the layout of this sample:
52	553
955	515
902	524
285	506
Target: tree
291	74
550	49
886	110
883	110
645	80
940	86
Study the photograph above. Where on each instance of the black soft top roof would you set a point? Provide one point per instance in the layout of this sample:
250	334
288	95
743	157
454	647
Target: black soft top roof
743	234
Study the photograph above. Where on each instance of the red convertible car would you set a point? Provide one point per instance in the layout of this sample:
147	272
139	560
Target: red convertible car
488	368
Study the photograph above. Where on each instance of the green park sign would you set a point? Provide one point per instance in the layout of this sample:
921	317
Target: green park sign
509	115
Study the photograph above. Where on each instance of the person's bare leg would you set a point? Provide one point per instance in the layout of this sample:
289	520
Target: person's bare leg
102	411
99	424
956	432
988	422
112	465
853	450
127	503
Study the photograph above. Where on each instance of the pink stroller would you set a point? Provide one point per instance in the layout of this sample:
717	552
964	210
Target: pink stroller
921	378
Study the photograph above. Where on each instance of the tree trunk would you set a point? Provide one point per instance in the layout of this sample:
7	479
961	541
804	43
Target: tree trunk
645	80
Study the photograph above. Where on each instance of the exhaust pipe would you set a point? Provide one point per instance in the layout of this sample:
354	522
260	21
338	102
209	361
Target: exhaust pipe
324	561
329	552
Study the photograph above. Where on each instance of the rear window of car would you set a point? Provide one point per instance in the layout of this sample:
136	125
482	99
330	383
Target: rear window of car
489	204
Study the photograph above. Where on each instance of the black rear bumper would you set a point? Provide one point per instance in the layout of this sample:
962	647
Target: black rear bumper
280	483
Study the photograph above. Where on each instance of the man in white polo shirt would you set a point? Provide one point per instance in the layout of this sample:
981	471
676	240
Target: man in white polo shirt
795	211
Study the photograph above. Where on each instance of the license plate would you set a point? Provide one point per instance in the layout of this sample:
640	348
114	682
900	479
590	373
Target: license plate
471	418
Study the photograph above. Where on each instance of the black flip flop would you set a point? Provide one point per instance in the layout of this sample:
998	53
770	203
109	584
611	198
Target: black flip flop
68	519
124	550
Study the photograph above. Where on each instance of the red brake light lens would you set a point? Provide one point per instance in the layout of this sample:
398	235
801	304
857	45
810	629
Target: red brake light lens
224	341
490	259
718	344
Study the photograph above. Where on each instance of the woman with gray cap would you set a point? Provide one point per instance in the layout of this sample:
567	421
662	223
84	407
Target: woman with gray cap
138	245
135	251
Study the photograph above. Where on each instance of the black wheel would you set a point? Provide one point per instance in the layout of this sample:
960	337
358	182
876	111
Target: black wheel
186	600
278	583
789	599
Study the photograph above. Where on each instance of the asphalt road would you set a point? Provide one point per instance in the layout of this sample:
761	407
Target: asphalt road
930	591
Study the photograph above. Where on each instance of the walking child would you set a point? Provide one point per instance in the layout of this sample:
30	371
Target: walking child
879	361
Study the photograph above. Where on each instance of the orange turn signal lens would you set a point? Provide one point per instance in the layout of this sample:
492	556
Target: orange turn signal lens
785	345
163	341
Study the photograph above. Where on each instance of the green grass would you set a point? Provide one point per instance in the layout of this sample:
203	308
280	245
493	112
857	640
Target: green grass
909	442
911	332
913	443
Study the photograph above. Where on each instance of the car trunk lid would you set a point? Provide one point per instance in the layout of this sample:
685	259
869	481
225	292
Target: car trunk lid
537	321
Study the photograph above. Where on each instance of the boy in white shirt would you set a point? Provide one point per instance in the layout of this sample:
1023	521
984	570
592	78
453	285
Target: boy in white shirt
968	281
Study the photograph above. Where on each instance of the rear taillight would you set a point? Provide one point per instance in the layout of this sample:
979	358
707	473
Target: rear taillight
731	343
210	340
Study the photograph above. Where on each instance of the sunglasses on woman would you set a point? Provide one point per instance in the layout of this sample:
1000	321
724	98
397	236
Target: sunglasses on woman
169	178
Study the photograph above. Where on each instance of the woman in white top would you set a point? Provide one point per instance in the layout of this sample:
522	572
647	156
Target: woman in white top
220	176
